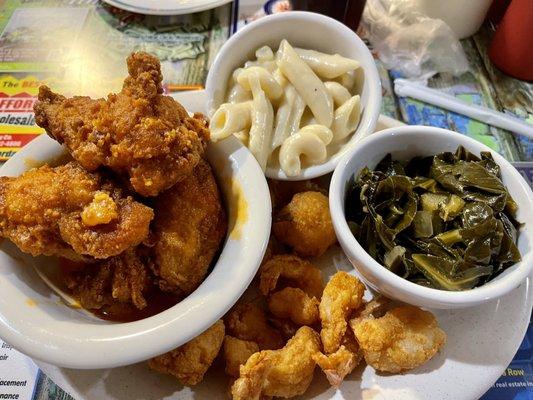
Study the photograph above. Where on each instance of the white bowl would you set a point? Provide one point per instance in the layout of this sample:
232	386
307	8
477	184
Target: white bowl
310	31
37	323
404	143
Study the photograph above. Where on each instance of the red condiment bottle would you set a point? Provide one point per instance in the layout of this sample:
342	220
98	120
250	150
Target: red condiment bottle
511	49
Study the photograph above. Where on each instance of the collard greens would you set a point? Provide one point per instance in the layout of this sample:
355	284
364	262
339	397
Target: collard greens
445	221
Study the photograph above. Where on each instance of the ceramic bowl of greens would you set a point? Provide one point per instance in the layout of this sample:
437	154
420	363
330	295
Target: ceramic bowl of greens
433	218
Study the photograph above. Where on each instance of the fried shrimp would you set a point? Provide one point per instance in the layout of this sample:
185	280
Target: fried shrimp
189	363
236	353
337	365
248	322
294	304
292	269
404	338
343	294
284	373
305	224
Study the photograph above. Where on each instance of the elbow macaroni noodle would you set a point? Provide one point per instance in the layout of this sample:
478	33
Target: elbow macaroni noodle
293	99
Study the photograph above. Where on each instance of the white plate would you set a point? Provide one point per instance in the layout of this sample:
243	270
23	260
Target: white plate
166	7
481	343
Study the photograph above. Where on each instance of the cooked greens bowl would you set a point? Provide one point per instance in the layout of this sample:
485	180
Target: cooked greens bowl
433	218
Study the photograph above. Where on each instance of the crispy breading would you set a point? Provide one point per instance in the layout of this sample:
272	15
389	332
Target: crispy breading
286	372
189	226
343	294
281	192
190	362
305	224
294	304
138	133
248	322
41	211
292	269
337	365
236	353
404	338
120	279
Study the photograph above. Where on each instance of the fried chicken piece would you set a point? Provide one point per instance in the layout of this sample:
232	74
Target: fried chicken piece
120	279
337	365
69	212
190	362
236	353
305	224
189	226
294	304
404	338
292	269
138	133
343	294
287	372
248	322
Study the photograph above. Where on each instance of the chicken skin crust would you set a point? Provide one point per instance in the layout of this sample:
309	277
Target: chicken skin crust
139	133
189	227
68	212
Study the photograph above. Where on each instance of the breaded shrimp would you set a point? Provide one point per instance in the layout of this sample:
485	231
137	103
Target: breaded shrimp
404	338
292	269
236	353
284	373
294	304
343	294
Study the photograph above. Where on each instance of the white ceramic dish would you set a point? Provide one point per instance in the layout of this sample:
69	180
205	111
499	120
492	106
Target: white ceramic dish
36	322
166	7
310	31
481	342
404	143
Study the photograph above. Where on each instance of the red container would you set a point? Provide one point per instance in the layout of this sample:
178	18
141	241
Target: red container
511	49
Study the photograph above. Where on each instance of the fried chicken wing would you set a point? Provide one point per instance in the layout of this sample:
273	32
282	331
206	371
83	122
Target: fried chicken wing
404	338
337	365
236	353
292	269
189	226
305	224
190	362
138	133
294	304
122	279
286	372
343	294
248	322
69	212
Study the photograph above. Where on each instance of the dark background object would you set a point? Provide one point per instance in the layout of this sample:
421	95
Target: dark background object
346	11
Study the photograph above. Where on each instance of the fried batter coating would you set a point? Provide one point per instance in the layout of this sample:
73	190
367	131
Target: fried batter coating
287	372
236	353
337	365
297	272
281	192
42	212
305	224
404	338
343	294
138	133
120	279
285	326
294	304
189	226
190	362
248	322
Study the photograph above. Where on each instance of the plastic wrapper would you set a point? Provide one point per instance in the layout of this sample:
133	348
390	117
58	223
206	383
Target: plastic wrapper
410	42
